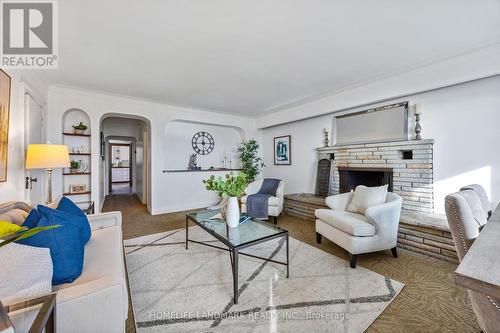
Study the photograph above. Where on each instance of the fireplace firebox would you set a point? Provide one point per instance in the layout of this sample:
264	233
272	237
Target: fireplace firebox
349	178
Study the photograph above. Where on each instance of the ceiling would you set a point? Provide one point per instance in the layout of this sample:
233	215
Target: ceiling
254	57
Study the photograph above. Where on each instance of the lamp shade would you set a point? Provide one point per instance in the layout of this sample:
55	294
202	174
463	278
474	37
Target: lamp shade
47	156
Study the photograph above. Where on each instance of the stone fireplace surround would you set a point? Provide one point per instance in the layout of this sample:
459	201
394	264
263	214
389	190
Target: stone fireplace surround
411	164
410	161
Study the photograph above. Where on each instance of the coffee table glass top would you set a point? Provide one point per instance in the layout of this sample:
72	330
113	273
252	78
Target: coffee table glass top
248	232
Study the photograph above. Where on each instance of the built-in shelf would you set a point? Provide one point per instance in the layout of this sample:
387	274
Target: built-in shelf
80	154
74	134
75	173
79	193
203	170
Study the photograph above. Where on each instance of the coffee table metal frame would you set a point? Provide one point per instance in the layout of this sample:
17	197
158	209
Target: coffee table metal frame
234	251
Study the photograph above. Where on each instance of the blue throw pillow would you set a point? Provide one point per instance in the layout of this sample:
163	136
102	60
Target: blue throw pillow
32	219
81	222
68	206
65	245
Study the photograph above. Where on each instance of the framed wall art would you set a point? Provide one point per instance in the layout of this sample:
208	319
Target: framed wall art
4	123
283	150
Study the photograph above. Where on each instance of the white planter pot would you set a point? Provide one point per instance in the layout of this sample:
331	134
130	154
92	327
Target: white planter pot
233	213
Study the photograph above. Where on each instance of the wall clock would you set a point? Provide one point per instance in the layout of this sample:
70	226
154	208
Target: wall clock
203	143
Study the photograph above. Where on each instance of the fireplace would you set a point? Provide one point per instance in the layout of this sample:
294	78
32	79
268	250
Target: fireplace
349	178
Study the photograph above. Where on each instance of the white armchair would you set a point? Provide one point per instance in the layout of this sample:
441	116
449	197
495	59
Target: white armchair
275	204
376	230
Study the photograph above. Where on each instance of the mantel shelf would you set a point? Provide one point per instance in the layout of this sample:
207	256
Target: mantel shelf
74	134
203	170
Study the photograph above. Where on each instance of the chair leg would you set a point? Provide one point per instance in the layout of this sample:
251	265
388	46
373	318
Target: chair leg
354	259
318	238
394	252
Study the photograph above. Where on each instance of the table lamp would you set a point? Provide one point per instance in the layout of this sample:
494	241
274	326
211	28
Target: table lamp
48	157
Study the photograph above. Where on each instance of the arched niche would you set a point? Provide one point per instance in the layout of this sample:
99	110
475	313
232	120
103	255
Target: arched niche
79	147
178	145
73	117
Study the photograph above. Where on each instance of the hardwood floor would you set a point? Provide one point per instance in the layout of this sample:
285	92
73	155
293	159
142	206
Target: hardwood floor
430	302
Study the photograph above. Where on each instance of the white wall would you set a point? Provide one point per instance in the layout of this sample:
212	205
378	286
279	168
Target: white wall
463	120
178	146
98	105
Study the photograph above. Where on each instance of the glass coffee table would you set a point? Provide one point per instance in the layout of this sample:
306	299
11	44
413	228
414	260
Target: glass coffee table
247	234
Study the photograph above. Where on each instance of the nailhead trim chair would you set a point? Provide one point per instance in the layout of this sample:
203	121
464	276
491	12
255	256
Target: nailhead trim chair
467	212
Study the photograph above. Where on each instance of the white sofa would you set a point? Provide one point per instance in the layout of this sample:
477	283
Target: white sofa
275	204
376	230
98	300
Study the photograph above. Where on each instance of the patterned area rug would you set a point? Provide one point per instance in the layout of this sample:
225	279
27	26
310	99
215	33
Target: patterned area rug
179	290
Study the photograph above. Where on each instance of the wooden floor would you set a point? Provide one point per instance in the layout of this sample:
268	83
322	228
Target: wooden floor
430	302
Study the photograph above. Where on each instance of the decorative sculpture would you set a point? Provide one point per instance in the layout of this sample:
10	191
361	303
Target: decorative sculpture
193	161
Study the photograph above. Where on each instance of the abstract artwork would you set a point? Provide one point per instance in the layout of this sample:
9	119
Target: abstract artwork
282	150
4	123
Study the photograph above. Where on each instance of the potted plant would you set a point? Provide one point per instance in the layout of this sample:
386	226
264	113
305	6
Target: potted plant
231	186
74	166
251	162
80	128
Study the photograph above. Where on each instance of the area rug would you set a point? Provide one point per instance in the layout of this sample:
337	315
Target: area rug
179	290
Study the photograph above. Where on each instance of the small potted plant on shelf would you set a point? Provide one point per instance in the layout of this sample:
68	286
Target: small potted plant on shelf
74	166
232	187
80	128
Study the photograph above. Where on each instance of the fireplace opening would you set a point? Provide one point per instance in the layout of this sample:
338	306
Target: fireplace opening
349	178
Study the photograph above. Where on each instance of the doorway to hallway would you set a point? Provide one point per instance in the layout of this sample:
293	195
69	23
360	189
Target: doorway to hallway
120	168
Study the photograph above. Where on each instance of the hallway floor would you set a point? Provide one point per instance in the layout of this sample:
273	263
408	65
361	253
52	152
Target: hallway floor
121	189
430	302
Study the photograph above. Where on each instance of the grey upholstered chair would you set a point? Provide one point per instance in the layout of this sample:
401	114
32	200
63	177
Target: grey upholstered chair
485	201
466	215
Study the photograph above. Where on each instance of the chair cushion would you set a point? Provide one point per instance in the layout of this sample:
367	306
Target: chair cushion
352	223
103	258
365	197
273	201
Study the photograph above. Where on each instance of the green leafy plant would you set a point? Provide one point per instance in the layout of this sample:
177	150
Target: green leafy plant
228	186
25	233
74	165
251	162
80	126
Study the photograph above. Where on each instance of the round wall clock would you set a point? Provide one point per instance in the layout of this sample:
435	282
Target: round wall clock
203	143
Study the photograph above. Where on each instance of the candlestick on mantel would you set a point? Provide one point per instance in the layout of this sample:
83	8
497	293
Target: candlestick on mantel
327	141
418	128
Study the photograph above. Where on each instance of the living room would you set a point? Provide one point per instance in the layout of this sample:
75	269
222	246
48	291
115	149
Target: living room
342	153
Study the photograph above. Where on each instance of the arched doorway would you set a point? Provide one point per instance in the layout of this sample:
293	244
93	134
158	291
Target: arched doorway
125	156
